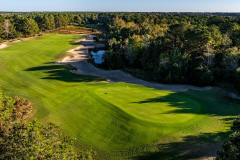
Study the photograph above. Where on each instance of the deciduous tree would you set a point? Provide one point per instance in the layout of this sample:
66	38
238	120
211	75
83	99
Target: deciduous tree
7	27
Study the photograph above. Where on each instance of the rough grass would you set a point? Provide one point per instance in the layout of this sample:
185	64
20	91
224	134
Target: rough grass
120	120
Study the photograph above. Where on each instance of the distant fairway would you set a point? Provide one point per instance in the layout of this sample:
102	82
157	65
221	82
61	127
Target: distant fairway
109	116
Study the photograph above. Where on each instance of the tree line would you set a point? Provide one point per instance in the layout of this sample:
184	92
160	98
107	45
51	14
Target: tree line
201	50
19	25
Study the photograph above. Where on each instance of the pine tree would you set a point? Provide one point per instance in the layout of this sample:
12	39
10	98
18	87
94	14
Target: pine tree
52	22
46	23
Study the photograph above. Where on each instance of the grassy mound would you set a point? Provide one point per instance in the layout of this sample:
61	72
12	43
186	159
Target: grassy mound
110	116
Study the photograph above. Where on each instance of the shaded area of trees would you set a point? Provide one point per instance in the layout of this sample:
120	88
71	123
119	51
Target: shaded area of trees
20	139
192	147
231	148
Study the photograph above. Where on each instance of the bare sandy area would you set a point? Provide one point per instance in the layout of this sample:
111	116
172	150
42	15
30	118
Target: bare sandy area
79	61
2	46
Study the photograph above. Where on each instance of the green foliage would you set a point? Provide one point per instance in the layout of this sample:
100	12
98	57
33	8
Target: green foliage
1	33
32	141
231	148
148	41
237	79
202	76
173	66
6	109
46	23
113	60
116	60
19	35
29	26
77	19
52	22
236	124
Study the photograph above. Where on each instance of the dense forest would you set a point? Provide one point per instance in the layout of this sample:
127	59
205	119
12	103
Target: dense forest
175	49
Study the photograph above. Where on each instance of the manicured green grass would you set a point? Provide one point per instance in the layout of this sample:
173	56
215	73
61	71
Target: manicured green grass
151	105
120	117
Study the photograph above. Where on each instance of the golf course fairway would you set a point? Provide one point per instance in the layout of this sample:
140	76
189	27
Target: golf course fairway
109	116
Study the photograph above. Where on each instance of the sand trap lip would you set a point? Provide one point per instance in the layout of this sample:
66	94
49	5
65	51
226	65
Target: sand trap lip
79	61
2	46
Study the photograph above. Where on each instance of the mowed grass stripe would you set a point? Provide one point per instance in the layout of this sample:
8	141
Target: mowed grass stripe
160	108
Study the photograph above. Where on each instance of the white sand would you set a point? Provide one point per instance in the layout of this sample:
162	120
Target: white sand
2	46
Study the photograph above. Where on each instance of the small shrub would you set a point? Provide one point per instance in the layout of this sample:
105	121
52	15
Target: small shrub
231	148
19	35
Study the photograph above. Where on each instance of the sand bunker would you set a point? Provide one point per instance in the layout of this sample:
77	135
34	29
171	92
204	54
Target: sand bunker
79	61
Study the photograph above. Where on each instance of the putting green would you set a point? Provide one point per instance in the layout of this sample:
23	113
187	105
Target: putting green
109	116
151	105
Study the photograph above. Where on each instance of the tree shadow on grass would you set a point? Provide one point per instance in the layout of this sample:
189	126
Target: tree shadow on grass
62	73
182	105
193	146
202	146
75	43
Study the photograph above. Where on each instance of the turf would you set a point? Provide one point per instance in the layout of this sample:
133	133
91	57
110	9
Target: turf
151	105
109	116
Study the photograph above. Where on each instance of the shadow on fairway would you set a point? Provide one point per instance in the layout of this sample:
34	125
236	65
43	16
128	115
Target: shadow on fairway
191	147
221	106
62	73
182	106
75	43
194	146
